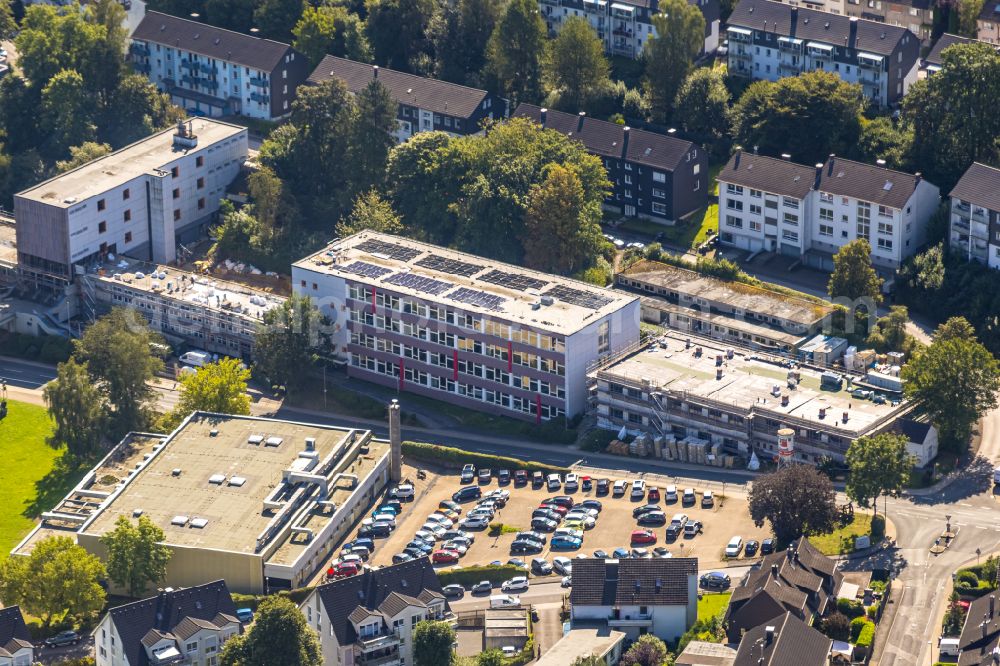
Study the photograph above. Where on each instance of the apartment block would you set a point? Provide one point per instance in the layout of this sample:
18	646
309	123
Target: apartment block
142	200
214	72
369	619
988	23
654	176
770	40
975	215
626	25
917	16
776	205
183	626
424	104
464	329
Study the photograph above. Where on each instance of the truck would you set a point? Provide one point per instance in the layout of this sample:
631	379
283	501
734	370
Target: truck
196	358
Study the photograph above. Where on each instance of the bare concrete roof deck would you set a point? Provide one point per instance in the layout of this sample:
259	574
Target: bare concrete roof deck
358	258
746	325
123	165
745	297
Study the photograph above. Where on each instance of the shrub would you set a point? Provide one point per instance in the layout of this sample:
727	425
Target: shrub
850	607
857	624
968	577
837	626
877	529
456	458
55	349
471	575
866	636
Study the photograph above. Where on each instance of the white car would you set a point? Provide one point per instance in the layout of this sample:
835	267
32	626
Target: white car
567	581
504	601
571	483
509	651
619	487
441	520
563	565
689	496
403	491
468	473
554	482
481	513
385	518
457	546
568	532
670	494
638	488
588	522
515	584
426	535
578	509
434	528
476	522
734	547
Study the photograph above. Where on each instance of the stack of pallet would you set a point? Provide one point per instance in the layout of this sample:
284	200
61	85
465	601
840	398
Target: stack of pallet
617	448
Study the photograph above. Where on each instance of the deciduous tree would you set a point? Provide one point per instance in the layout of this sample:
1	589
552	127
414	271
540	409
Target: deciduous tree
8	27
432	643
516	49
460	32
680	35
372	212
77	407
647	650
884	139
279	637
331	29
80	155
371	136
219	387
853	276
397	32
879	466
276	18
137	556
795	500
285	342
575	65
702	104
66	113
968	15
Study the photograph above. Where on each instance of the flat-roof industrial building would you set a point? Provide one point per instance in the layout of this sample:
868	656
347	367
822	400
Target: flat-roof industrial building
465	329
258	502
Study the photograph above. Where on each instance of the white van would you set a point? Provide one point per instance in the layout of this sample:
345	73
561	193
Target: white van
734	547
196	358
948	647
504	601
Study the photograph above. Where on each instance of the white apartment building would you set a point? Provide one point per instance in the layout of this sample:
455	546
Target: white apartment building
975	215
141	201
177	626
776	205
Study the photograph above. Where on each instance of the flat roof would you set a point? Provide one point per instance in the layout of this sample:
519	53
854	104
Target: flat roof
203	291
466	282
8	243
736	294
576	643
123	165
747	325
224	480
747	383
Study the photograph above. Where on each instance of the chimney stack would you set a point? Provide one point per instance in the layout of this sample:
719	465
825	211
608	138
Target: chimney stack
543	115
739	153
769	634
786	156
395	444
854	30
919	176
374	71
625	135
579	124
819	173
830	161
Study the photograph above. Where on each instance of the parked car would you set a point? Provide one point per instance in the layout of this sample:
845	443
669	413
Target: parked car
532	536
568	531
456	546
561	510
580	510
482	587
661	552
68	637
562	565
591	504
537	479
448	504
545	512
543	524
656	518
515	584
689	497
504	601
520	477
525	547
419	545
503	477
485	475
393	505
641	554
453	591
468	473
602	486
571	483
707	499
580	521
562	500
441	520
670	494
476	522
565	542
767	546
567	581
619	488
734	547
645	508
601	555
638	489
444	557
554	482
517	562
692	529
509	651
403	492
620	554
436	529
751	548
586	483
541	566
653	495
643	536
467	493
455	534
714	580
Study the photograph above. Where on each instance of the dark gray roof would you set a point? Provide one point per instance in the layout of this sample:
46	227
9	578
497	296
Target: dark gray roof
793	643
769	174
207	40
943	42
14	634
817	26
914	431
979	185
990	11
652	582
981	632
867	182
165	612
342	598
601	137
438	96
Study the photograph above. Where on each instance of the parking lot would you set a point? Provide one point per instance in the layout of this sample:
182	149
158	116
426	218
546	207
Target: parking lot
613	527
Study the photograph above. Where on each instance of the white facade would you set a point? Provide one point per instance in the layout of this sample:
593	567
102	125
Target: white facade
970	233
202	648
667	622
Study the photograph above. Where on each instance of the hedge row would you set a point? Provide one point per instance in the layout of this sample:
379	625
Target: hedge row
251	601
455	458
467	576
866	636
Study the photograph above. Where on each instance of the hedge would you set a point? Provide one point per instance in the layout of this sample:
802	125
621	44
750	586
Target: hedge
466	576
455	458
877	530
850	607
857	624
866	636
251	601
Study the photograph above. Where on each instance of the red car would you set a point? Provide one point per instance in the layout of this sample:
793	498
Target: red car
643	536
444	557
520	477
343	570
586	482
653	496
561	510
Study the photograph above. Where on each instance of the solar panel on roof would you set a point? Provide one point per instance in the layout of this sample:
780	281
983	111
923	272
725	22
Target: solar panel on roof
584	299
480	298
391	250
452	266
512	280
365	269
419	283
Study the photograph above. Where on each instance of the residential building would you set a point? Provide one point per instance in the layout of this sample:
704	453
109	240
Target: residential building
702	653
204	312
141	201
917	16
258	502
757	317
624	26
921	440
468	330
16	646
801	581
653	176
975	215
601	642
703	401
980	639
933	61
369	619
784	641
771	40
182	626
425	104
776	205
636	596
988	24
214	72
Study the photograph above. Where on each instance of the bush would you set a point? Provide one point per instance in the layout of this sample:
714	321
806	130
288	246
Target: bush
471	575
968	577
877	529
837	626
456	458
55	349
866	636
857	624
850	607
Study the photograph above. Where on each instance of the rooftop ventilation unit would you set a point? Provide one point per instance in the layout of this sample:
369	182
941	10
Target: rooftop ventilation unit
180	521
218	479
273	441
237	481
136	513
199	522
255	439
176	471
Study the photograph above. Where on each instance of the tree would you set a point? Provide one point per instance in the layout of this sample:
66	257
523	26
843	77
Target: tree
879	466
279	637
371	136
66	113
116	349
219	387
890	331
230	14
702	104
516	49
560	235
853	277
796	500
373	212
284	344
679	37
137	557
331	29
57	577
953	113
80	155
8	27
968	17
647	650
77	407
397	32
136	109
491	657
276	18
575	65
955	328
883	139
956	380
925	271
460	33
836	626
809	116
432	643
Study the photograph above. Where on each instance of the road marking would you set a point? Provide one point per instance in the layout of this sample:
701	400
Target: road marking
964	504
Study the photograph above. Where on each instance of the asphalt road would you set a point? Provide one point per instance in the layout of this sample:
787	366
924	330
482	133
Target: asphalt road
25	374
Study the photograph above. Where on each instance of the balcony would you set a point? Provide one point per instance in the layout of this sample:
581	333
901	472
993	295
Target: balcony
789	68
621	31
383	660
257	97
207	68
379	642
630	620
259	82
739	35
189	64
139	50
740	54
789	45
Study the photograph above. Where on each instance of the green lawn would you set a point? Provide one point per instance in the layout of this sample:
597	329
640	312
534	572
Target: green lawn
841	540
688	233
712	605
27	461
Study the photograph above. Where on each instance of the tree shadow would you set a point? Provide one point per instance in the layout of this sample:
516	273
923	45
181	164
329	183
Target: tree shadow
889	559
973	478
52	487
